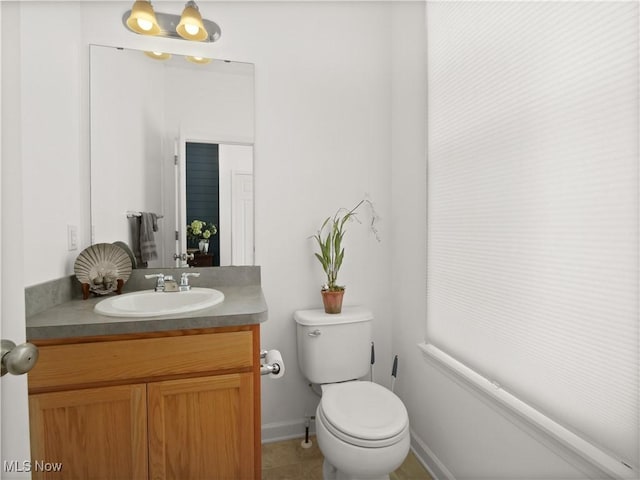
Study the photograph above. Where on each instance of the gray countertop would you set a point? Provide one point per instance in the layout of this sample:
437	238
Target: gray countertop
243	305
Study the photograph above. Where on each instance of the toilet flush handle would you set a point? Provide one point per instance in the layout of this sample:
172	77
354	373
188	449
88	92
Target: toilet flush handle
315	333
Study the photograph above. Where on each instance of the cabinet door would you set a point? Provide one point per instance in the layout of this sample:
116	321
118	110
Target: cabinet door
201	428
97	433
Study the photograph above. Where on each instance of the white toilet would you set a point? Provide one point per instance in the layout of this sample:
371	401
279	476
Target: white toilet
362	428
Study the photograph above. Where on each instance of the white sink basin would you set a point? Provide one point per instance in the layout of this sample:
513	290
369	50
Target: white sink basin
148	303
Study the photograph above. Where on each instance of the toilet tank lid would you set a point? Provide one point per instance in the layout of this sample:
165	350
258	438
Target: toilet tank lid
318	316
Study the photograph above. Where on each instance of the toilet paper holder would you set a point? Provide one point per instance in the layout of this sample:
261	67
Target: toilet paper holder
270	368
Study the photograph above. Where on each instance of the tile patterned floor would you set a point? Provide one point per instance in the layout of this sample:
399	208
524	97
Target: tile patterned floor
287	460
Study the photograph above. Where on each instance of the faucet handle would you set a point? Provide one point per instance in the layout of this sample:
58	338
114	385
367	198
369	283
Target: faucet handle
159	280
154	275
184	278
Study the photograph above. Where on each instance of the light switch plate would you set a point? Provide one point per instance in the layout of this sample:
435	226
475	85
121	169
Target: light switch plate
72	237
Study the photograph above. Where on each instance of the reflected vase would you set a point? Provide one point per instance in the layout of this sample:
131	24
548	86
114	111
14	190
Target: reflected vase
203	246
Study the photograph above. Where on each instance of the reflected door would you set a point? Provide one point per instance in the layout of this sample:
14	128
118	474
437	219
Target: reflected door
242	218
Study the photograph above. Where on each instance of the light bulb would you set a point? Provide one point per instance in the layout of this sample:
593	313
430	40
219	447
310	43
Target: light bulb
198	60
145	25
142	19
158	55
191	28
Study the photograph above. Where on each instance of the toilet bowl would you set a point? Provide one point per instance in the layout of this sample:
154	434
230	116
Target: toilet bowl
362	430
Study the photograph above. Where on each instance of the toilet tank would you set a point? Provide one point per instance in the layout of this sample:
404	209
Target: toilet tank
334	347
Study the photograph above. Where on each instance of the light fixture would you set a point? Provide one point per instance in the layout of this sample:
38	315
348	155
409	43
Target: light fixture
198	60
158	55
190	25
142	19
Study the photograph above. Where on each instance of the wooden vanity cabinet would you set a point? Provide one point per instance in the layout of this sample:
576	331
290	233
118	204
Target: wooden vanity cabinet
174	405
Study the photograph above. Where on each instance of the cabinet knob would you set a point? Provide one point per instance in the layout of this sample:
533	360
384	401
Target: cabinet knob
17	360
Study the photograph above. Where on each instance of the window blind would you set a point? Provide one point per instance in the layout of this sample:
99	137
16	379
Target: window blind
533	230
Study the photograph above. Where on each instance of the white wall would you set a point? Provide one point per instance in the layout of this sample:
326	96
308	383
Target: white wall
54	134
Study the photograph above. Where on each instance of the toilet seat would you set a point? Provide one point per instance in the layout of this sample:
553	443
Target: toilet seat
363	414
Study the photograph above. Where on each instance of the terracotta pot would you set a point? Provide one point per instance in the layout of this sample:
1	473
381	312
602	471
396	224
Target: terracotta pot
332	300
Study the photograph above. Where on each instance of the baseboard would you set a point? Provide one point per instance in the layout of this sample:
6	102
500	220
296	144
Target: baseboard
429	460
278	431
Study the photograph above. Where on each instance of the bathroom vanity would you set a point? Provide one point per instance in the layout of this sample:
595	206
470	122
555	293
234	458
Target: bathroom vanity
162	398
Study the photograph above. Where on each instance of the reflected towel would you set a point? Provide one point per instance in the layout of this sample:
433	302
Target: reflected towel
134	227
148	225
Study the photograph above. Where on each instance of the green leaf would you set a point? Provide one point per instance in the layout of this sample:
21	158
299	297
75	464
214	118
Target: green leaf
326	247
322	261
339	259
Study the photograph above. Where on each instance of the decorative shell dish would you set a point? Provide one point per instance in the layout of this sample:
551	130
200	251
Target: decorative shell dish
101	266
128	251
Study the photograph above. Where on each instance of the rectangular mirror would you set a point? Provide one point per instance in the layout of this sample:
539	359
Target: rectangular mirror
145	113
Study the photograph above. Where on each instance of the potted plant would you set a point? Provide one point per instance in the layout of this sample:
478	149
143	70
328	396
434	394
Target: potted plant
331	253
199	233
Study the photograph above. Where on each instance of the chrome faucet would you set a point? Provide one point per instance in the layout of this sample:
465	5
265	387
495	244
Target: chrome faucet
161	280
184	281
